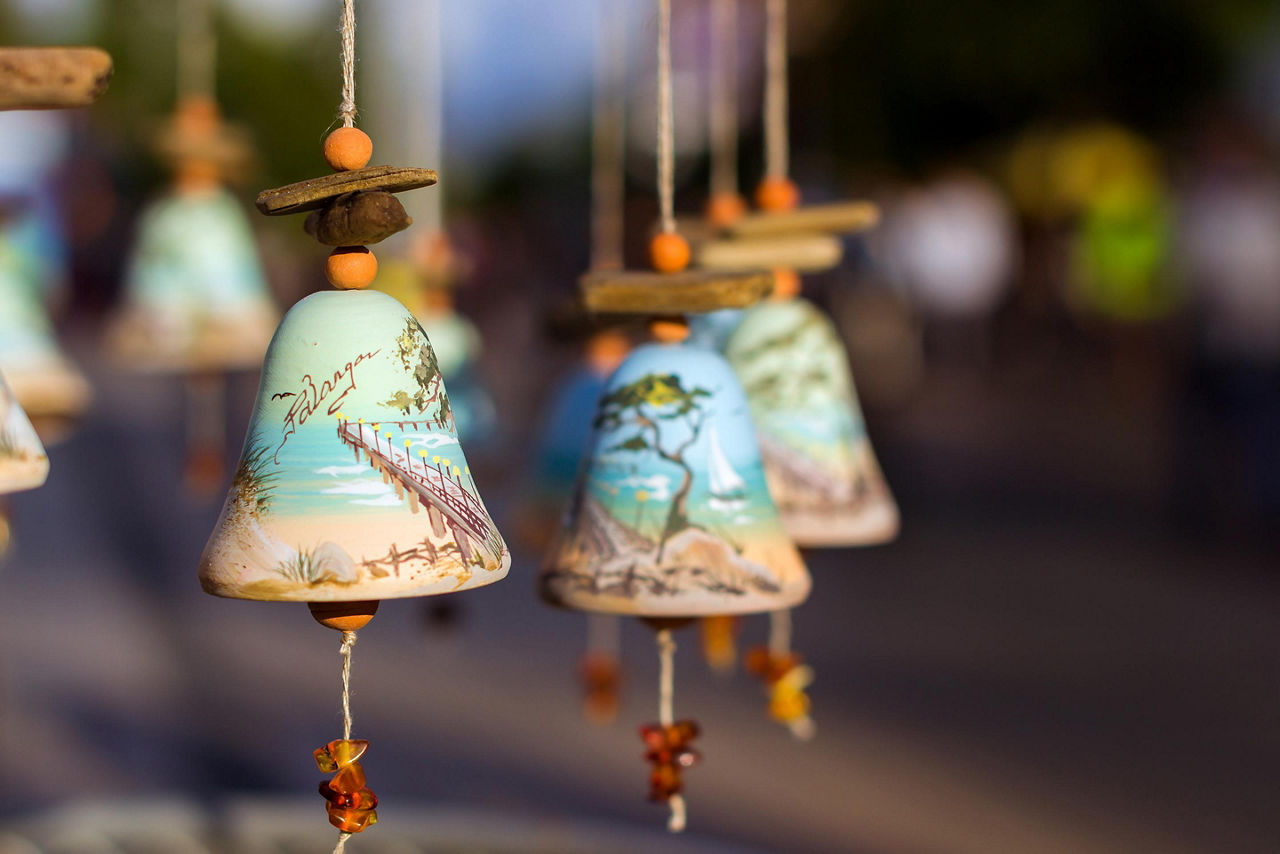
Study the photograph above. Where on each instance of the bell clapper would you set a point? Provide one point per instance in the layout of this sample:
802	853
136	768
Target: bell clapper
785	677
668	740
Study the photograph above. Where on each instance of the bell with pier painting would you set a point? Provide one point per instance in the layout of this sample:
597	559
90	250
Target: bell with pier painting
672	516
352	485
23	463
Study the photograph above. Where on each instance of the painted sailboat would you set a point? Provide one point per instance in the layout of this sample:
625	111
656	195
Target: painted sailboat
728	490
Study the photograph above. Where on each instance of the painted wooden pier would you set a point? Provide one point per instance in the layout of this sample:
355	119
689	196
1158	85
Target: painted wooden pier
428	482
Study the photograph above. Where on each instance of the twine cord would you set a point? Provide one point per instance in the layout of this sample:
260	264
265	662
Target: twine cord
342	842
607	120
348	641
197	49
775	89
666	121
666	716
723	61
780	632
347	109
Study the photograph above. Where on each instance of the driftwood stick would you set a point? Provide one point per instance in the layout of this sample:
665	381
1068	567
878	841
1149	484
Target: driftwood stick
358	219
838	218
804	253
690	292
37	78
317	192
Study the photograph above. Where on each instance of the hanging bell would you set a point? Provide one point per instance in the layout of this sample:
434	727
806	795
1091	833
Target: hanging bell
821	470
196	298
672	516
23	463
42	379
352	484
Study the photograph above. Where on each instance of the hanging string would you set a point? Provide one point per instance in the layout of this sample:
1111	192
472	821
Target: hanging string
666	716
775	89
348	641
666	121
723	60
347	109
607	119
197	49
780	632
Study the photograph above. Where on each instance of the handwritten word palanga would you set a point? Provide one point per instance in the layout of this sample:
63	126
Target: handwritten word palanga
310	396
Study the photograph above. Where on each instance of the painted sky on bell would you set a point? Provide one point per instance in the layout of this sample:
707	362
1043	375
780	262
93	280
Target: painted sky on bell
729	489
339	352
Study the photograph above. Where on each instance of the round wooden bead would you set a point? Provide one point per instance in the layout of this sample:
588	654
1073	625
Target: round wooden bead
775	194
669	330
351	267
344	616
724	209
669	253
348	148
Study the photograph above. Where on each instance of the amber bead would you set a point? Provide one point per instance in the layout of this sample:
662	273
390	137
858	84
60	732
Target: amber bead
340	753
352	820
776	194
351	268
669	253
347	148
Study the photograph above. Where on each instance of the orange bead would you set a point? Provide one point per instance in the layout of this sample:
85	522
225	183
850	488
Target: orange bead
777	194
786	283
724	209
669	253
348	148
351	267
669	330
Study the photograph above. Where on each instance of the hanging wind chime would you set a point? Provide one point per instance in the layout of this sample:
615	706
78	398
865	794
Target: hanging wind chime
351	394
196	300
673	423
820	467
37	79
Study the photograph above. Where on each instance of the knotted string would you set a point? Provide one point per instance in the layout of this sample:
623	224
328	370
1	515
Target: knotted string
607	119
347	109
666	121
775	90
666	716
348	641
724	97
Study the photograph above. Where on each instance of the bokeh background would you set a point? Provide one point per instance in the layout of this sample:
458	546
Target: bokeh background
1066	336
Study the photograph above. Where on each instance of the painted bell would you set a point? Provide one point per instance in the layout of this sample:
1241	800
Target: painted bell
195	294
352	484
40	376
672	516
23	463
818	460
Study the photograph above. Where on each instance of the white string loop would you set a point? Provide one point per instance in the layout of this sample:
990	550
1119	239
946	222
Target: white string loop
723	61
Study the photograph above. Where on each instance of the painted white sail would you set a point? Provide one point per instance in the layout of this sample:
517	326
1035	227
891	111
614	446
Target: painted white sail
727	486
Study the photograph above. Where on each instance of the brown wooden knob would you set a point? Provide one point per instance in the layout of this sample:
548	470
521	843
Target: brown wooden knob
344	616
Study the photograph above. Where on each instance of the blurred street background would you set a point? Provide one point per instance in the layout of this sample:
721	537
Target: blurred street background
1066	338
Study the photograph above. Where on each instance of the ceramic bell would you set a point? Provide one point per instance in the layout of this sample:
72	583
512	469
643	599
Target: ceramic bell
672	516
196	298
23	463
352	484
40	376
818	460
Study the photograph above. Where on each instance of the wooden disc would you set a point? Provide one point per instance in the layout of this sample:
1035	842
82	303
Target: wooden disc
807	253
688	292
315	193
837	218
344	616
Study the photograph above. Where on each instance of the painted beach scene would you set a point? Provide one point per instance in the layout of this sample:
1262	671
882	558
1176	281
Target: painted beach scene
672	515
23	463
352	484
820	467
